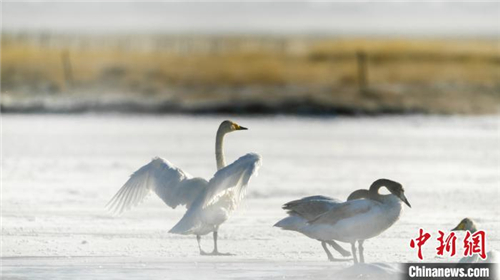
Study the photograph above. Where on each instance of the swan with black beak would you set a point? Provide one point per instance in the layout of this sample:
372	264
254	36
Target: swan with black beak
365	214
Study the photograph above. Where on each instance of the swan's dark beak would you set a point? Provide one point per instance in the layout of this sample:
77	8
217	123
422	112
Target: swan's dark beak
405	200
242	128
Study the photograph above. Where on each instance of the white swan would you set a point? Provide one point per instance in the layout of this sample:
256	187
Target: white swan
364	215
470	225
209	203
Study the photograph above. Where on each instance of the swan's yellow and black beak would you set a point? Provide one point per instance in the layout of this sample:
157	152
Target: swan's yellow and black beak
404	199
238	127
460	226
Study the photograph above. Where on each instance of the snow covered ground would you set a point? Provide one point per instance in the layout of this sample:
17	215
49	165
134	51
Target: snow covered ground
58	172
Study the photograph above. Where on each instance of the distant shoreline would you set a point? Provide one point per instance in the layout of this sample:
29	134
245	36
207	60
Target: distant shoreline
290	108
295	107
248	75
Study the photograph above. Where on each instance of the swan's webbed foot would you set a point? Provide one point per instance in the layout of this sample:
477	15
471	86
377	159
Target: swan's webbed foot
217	253
203	253
340	260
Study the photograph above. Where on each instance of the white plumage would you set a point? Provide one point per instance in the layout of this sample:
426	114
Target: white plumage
219	198
354	220
208	203
364	215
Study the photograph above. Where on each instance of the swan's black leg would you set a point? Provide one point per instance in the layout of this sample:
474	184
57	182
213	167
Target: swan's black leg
339	248
361	250
328	254
198	238
215	242
353	250
216	251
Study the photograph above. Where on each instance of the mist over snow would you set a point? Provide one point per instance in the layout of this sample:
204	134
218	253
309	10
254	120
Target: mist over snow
337	18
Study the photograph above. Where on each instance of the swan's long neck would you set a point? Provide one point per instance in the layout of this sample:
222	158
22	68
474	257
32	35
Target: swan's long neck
372	193
375	187
358	194
219	149
472	228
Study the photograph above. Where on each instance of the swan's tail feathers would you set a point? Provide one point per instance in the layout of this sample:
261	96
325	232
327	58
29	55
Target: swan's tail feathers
181	228
178	230
189	222
291	223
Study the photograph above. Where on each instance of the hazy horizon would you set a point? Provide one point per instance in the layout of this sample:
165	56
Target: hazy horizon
333	18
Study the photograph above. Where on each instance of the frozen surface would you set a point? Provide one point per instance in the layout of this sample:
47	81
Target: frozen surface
59	171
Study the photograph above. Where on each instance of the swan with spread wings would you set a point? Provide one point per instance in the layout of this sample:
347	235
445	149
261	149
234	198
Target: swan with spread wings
208	203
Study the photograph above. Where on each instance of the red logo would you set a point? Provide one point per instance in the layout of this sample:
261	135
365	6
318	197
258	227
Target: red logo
474	243
446	245
421	239
477	245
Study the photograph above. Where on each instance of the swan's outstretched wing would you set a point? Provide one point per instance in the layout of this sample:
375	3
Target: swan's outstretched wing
344	210
174	186
234	178
311	207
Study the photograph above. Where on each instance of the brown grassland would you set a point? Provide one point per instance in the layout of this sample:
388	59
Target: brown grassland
401	75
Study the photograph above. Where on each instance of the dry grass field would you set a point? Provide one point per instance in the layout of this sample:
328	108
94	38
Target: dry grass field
263	73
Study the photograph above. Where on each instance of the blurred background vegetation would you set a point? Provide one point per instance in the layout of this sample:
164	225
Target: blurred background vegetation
252	73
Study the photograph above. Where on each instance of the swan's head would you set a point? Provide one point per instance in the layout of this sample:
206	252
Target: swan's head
396	189
229	126
466	224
